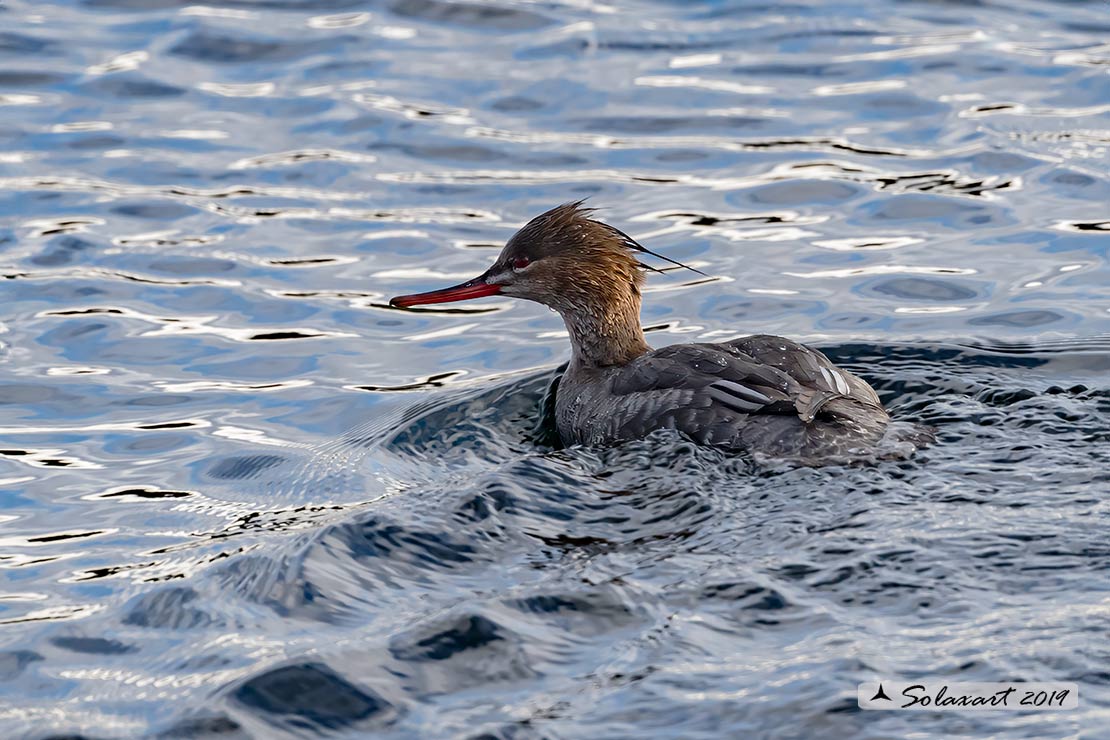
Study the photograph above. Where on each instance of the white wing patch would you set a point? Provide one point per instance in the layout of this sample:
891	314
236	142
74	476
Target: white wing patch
836	381
738	397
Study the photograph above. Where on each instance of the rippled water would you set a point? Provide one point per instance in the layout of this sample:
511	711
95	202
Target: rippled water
245	498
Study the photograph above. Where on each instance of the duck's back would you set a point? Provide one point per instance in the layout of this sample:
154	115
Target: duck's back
761	393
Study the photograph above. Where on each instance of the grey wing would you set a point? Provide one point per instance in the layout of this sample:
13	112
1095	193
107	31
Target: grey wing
820	380
709	390
705	390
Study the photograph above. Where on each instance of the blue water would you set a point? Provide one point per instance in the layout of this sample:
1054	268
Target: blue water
242	497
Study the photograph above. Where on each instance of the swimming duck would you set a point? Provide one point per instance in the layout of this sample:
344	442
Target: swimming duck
760	394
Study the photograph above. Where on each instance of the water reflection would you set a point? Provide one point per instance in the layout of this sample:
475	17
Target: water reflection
244	496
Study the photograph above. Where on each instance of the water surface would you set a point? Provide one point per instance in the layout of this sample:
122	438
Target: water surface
245	498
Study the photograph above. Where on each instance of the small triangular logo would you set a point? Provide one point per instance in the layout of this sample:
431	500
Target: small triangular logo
880	694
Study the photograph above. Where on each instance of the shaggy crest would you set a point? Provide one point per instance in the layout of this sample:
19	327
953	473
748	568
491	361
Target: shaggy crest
569	227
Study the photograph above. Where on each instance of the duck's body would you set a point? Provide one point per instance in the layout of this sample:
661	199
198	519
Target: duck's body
762	394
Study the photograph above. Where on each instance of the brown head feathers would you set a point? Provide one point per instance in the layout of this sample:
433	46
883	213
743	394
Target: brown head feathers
570	225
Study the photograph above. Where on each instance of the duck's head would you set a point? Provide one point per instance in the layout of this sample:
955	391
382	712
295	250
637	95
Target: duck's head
563	259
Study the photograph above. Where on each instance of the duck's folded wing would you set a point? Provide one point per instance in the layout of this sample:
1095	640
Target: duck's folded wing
819	379
764	393
704	390
754	375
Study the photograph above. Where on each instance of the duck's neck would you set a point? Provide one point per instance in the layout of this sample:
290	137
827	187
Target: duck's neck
605	334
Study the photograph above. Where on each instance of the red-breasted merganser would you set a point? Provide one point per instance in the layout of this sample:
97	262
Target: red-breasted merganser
761	394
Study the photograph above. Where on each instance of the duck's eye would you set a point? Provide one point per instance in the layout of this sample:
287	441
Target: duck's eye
521	262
